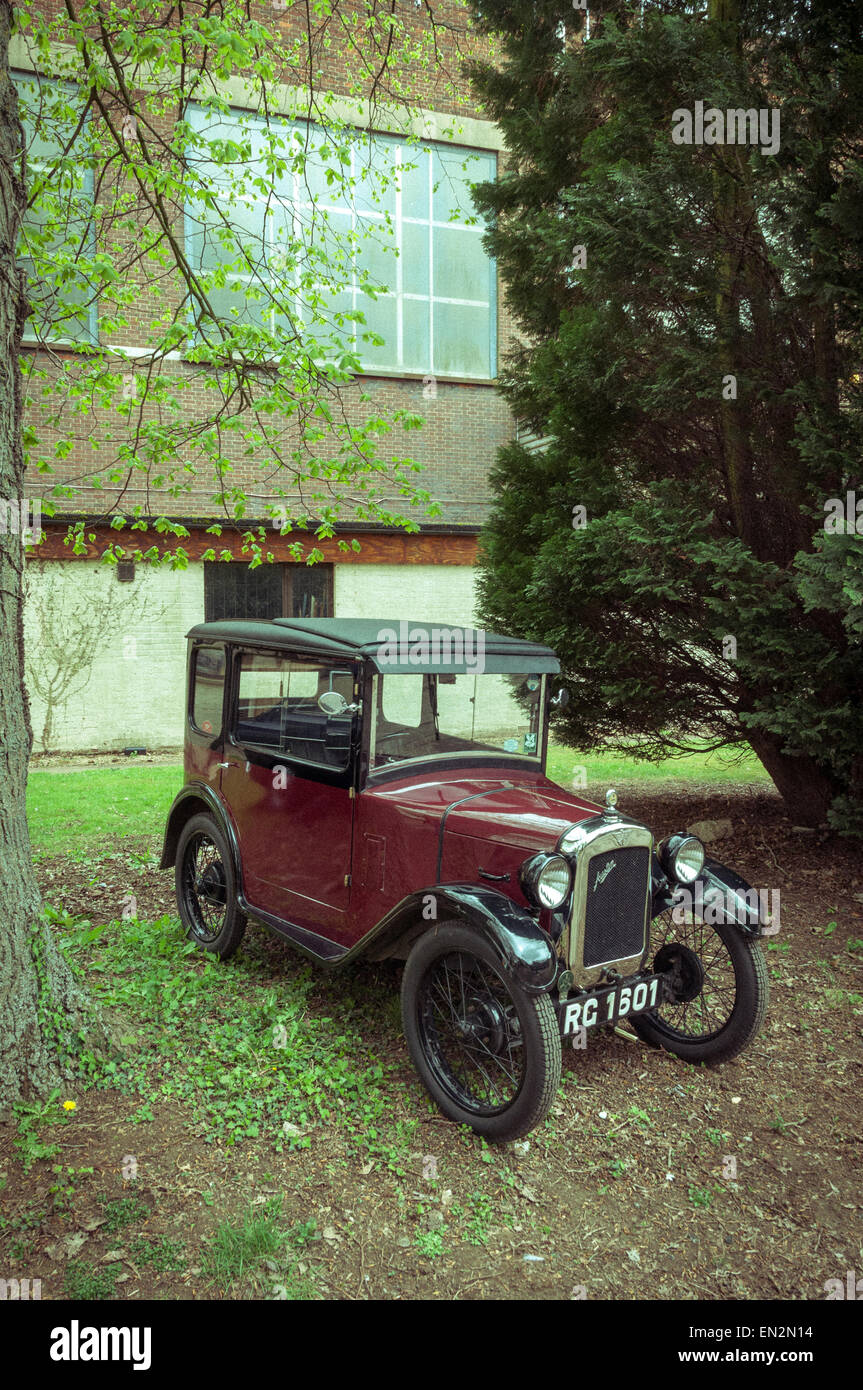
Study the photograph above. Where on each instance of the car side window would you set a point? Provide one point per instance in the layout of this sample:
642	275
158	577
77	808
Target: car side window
208	686
277	708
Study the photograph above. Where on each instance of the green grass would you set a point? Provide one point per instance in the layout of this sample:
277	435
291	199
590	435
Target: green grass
71	811
84	1282
615	770
239	1249
165	1256
244	1053
127	1211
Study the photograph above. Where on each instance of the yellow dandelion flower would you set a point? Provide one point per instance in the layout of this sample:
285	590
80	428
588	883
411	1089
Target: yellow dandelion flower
70	1105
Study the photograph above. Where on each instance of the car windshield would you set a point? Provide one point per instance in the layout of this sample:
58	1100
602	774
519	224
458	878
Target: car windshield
435	715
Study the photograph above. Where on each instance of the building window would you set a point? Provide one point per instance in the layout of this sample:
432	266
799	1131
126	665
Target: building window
233	590
418	240
58	225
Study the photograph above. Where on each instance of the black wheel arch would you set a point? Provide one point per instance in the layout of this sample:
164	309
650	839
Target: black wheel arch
193	799
522	947
716	879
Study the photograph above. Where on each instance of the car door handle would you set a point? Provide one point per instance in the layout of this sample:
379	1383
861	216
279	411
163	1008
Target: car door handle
218	765
493	878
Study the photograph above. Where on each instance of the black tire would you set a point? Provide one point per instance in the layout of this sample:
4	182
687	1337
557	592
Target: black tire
487	1052
206	888
724	1000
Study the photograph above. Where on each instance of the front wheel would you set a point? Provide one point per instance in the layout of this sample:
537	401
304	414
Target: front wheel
487	1052
719	986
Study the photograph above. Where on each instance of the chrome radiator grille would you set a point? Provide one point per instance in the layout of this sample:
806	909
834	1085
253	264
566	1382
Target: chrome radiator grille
615	910
610	897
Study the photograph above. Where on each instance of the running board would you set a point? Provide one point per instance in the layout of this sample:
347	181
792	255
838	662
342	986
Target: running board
317	947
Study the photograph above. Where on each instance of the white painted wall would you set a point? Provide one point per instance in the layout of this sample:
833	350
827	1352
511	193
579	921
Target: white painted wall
131	689
442	594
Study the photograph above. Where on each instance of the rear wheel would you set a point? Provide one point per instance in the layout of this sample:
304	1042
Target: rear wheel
720	989
487	1051
206	888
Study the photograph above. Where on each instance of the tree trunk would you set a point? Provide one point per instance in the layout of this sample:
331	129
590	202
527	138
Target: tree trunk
806	791
41	1008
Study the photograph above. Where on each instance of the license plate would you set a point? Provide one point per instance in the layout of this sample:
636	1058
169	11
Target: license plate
611	1005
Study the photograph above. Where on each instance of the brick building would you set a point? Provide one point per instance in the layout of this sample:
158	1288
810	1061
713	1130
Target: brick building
106	655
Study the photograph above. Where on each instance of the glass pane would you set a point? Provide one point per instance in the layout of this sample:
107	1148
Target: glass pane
436	715
263	687
453	172
237	302
278	708
415	182
307	731
375	176
235	591
310	591
416	348
326	247
376	253
401	701
323	317
415	258
220	238
381	318
56	233
461	340
49	114
273	152
221	154
461	266
249	226
209	684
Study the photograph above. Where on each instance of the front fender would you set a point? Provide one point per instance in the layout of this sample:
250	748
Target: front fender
522	947
718	896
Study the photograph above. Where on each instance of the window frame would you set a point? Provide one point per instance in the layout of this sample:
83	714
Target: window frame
396	366
91	337
214	735
288	569
267	754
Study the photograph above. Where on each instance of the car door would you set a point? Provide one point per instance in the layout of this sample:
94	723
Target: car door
287	780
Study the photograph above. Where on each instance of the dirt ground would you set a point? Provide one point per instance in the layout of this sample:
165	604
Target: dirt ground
653	1180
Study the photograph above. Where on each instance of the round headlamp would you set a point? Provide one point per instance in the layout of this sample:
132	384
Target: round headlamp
546	880
682	857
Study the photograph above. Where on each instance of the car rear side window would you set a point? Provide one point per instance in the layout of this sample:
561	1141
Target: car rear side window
208	686
277	708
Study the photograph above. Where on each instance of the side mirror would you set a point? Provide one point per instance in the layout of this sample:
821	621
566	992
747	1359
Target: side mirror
331	702
561	699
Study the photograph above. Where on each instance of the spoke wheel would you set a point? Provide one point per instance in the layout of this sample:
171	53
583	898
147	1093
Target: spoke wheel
719	990
488	1053
206	889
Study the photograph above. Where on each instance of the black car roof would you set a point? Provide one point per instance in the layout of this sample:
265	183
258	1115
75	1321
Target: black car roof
389	643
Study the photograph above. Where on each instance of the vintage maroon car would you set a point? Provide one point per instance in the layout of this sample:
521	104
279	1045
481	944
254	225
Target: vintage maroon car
379	790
